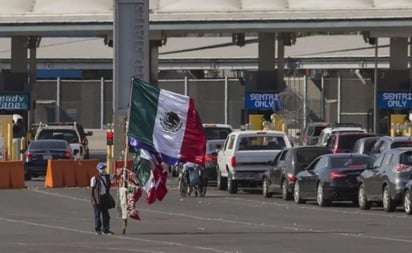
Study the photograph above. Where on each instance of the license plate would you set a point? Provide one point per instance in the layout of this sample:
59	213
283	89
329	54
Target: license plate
47	157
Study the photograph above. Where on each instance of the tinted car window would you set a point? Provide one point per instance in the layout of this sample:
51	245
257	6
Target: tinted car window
350	162
318	130
60	134
401	144
261	142
348	141
307	155
406	158
47	144
215	133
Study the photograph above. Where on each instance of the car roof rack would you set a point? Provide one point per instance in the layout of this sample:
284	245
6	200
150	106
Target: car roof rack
334	125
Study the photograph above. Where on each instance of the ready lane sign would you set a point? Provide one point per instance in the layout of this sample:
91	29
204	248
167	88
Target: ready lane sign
14	102
395	100
263	101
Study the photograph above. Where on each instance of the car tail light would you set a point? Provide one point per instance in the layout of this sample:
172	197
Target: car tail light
210	158
233	161
401	168
291	177
27	154
305	138
336	174
67	154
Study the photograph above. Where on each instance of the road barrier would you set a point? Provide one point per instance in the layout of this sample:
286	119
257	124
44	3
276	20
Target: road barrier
70	173
11	175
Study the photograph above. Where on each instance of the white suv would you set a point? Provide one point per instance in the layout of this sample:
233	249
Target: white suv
63	132
339	128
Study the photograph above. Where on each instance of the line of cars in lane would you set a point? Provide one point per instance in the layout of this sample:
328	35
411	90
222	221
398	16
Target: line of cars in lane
326	177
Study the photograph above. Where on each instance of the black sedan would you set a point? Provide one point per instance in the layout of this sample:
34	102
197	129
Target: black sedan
331	177
40	151
286	165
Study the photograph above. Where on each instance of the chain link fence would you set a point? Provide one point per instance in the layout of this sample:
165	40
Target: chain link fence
217	100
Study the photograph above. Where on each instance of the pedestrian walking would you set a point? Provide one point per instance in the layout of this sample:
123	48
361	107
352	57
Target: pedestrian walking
100	185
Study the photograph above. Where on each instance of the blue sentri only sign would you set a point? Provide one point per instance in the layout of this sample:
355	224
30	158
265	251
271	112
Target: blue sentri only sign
395	100
263	101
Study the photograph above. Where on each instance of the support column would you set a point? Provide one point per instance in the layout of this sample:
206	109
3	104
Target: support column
410	63
398	51
18	76
131	58
281	59
266	54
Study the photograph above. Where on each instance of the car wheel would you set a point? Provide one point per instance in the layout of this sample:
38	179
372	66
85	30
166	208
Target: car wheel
27	176
182	187
296	194
388	203
174	171
320	198
363	202
231	185
265	190
221	182
204	187
286	195
407	202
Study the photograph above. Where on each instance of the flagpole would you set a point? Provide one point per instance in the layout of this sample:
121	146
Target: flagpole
126	154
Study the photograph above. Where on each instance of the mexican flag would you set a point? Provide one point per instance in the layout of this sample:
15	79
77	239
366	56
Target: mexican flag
167	123
151	176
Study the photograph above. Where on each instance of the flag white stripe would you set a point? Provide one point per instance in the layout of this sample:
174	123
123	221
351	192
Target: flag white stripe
170	142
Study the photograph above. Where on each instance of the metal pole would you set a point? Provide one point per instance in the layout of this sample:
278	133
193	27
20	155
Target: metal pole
322	97
339	97
305	96
375	90
186	83
57	111
226	99
101	102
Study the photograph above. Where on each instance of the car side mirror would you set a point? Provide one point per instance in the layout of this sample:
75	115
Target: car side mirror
89	133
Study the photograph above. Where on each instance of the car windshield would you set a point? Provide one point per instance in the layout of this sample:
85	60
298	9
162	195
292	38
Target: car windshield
213	146
47	144
401	144
350	162
348	141
261	142
406	158
60	134
216	133
318	130
307	155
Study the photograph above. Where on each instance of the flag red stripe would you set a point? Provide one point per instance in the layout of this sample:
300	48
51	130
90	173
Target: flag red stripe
194	141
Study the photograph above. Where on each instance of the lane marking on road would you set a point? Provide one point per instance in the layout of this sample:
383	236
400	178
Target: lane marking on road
220	220
123	237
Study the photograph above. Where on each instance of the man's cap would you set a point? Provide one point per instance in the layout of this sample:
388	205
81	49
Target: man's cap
101	166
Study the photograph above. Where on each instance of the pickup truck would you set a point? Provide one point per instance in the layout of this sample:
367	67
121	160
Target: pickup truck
245	156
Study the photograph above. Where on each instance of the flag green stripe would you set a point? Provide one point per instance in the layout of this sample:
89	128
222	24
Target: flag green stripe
143	110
